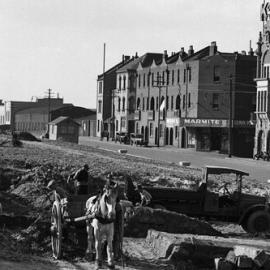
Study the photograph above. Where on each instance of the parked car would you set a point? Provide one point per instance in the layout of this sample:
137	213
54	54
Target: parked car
137	139
262	155
122	137
252	212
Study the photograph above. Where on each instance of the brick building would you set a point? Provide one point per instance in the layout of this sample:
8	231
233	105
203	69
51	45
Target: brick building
125	95
262	135
106	84
187	96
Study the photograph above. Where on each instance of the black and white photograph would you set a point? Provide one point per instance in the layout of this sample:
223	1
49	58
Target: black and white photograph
135	135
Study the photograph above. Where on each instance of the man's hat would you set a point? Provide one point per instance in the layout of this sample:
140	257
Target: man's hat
86	166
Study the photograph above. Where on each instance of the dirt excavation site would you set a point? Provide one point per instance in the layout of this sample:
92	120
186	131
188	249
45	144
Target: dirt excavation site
153	238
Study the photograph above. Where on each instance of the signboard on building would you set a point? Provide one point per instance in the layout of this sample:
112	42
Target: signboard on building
172	122
222	123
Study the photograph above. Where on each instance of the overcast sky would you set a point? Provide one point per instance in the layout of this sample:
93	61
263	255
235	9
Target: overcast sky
58	44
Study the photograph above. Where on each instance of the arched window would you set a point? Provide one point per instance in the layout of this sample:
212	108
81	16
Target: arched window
119	104
138	103
177	105
156	103
123	104
152	104
139	81
172	103
143	104
120	80
124	82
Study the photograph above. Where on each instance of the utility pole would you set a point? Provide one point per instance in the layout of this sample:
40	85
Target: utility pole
159	86
49	94
230	120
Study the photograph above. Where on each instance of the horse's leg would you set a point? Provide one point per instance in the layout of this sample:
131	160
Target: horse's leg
110	233
97	235
90	240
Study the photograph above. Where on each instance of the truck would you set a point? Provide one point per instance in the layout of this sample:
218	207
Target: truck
230	203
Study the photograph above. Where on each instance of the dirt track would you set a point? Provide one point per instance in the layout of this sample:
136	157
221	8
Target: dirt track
32	166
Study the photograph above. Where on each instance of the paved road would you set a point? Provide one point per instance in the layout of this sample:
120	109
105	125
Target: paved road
259	170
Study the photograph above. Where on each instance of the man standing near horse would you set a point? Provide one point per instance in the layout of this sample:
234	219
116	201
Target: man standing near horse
81	180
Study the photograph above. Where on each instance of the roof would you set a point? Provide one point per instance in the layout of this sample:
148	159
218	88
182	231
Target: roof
223	170
146	60
62	119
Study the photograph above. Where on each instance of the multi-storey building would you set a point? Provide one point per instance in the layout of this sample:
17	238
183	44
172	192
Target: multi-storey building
125	93
106	83
190	99
262	135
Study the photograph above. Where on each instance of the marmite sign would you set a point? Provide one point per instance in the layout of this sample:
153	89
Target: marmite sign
265	11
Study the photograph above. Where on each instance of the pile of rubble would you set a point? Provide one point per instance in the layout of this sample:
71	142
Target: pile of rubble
244	257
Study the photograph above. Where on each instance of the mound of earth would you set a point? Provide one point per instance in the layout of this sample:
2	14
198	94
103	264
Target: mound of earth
146	218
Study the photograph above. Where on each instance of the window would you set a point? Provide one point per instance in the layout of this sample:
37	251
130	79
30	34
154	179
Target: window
177	102
138	103
123	122
98	125
168	77
119	104
117	125
216	73
172	103
163	77
156	103
139	81
123	104
189	104
189	74
99	106
147	104
161	131
185	71
176	132
120	80
143	80
137	128
100	87
148	79
215	102
143	105
172	77
184	101
151	129
153	78
178	76
124	82
152	104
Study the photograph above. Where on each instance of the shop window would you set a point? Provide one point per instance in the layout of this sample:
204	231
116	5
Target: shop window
215	102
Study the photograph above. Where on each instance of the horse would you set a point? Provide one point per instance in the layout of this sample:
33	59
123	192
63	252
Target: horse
101	226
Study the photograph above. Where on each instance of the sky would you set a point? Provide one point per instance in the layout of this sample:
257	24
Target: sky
58	44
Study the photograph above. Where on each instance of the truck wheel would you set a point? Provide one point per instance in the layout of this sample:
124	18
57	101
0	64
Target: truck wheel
258	222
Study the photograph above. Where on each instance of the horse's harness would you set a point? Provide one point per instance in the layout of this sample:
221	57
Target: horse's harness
97	211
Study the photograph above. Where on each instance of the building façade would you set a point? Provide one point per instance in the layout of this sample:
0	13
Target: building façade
188	99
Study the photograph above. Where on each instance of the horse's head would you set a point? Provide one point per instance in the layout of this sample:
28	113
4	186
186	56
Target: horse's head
108	201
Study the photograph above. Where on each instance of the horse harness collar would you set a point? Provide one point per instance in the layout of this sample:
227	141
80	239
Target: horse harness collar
97	212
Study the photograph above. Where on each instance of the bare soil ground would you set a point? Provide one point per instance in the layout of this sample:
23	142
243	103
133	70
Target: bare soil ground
24	173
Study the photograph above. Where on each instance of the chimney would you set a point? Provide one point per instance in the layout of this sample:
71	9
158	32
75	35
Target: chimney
182	51
165	55
127	57
213	48
251	52
190	51
136	55
123	57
